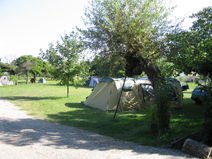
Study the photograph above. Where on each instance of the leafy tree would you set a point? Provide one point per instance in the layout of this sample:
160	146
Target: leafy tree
167	68
108	66
191	50
5	67
130	28
133	29
48	70
28	64
38	67
207	125
65	58
24	65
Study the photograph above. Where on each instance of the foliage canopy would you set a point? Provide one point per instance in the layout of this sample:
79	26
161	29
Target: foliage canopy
191	50
65	59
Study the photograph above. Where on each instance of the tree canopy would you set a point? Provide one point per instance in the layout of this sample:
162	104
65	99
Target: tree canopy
133	29
28	64
65	59
107	66
130	28
191	50
5	67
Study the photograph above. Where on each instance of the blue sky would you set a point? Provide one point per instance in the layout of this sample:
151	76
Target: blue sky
28	25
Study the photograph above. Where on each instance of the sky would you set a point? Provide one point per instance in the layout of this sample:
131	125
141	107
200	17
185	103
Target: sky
26	26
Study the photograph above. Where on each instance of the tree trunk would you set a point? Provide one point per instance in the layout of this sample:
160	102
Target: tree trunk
161	97
152	71
119	100
27	77
135	66
34	76
67	88
197	149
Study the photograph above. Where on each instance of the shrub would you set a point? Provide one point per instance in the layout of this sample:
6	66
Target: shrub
208	115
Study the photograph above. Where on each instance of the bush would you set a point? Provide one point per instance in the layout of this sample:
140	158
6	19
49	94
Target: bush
152	118
208	115
160	113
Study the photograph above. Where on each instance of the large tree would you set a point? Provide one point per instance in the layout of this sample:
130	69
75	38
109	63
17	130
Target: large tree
107	66
190	50
133	29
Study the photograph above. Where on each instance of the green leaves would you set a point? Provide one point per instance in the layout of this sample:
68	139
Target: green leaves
120	26
109	66
191	50
65	59
29	63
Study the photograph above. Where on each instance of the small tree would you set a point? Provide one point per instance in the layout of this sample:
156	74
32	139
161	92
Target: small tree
65	58
24	66
28	64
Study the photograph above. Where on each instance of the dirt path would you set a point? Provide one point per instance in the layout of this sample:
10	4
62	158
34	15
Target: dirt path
23	137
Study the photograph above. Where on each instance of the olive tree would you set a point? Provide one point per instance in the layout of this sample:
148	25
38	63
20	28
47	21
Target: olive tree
133	29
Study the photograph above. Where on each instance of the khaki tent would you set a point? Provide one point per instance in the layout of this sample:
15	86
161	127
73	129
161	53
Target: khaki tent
136	94
107	92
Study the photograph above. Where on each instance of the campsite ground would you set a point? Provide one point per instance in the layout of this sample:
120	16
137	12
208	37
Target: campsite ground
50	102
23	137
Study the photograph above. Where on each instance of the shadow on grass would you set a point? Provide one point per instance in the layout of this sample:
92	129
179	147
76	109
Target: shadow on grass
188	119
128	126
28	98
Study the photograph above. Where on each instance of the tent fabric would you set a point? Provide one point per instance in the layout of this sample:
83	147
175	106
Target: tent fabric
106	94
4	80
136	94
42	80
93	81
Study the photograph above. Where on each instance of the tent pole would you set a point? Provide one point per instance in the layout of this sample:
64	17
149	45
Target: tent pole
114	116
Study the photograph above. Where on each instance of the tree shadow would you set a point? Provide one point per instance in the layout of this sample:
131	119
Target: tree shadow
187	92
27	131
28	98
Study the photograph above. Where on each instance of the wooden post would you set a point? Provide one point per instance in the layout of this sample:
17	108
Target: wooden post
119	98
68	88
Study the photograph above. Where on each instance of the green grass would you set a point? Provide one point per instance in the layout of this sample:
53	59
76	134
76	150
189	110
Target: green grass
50	102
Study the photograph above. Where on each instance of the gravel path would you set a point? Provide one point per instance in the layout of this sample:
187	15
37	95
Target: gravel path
24	137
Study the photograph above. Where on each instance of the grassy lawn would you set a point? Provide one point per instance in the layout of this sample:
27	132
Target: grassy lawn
49	102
